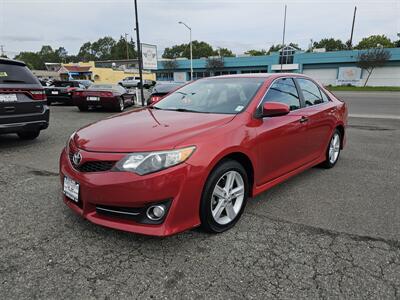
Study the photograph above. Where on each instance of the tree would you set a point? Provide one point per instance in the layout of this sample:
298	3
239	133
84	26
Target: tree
276	48
224	52
200	49
31	59
85	52
102	48
214	64
330	44
61	54
397	44
118	51
3	56
254	52
375	41
371	59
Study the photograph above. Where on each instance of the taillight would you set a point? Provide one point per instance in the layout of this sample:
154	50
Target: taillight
155	98
38	95
71	89
106	94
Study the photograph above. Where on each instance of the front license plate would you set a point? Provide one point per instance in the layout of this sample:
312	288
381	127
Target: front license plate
6	98
93	98
71	189
54	92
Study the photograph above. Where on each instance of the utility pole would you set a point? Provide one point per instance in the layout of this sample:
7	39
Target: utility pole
140	58
352	28
191	48
2	50
127	49
283	38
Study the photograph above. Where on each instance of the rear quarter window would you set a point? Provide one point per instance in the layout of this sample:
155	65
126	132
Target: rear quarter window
15	74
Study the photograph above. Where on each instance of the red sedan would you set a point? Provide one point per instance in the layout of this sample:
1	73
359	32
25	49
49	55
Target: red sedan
196	156
109	96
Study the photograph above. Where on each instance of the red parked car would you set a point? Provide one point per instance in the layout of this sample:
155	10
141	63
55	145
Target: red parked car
109	96
196	156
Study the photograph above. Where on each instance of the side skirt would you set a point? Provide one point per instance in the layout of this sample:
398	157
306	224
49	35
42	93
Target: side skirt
266	186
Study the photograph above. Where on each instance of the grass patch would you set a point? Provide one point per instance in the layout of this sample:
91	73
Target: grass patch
364	89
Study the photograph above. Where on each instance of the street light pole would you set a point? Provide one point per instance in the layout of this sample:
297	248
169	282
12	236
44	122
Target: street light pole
191	49
283	38
139	48
127	49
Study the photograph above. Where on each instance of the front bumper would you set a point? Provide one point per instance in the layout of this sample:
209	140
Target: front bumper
126	190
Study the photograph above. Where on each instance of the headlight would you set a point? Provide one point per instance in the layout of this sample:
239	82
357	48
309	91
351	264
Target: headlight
149	162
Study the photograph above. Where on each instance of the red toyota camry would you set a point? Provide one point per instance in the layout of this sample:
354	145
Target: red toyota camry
196	156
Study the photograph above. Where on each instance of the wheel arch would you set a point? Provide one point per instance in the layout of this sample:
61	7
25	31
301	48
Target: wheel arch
241	158
340	127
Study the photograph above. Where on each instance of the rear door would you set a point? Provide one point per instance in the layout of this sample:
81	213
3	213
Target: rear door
20	92
319	112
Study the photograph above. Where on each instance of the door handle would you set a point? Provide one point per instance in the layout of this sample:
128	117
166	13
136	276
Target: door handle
303	119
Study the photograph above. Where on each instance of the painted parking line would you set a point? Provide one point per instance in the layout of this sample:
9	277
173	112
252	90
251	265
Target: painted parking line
373	116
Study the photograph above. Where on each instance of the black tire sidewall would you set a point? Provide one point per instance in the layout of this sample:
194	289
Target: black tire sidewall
207	220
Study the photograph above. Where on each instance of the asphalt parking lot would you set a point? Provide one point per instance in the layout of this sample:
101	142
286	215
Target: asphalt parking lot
322	234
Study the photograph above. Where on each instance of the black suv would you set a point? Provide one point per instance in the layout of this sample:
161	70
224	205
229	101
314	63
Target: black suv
23	108
62	91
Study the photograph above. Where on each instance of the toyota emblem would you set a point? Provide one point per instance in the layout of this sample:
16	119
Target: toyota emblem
77	158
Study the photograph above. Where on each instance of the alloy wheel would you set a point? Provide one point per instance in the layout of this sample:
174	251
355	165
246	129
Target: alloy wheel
227	197
334	148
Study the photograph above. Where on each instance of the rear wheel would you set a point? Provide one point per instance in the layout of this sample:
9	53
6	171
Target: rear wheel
28	135
120	105
83	107
333	150
224	197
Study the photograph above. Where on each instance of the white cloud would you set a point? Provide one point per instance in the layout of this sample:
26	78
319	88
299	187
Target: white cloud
239	25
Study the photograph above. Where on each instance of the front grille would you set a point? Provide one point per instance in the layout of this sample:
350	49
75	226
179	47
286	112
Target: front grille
92	166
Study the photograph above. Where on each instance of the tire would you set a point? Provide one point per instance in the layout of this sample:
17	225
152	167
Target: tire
28	135
219	214
333	150
48	102
83	107
120	105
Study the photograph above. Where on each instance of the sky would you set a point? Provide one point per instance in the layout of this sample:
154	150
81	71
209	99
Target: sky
26	25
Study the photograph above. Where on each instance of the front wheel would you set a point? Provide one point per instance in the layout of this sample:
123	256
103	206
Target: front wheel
333	150
224	197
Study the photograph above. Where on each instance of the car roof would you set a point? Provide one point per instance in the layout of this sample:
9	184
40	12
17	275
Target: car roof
12	62
259	75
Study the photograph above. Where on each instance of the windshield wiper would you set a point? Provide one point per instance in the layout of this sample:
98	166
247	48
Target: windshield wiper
155	107
186	110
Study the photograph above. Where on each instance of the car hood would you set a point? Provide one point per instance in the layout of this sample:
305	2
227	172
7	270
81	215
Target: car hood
146	130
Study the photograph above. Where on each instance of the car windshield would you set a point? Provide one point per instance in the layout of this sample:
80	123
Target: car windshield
214	95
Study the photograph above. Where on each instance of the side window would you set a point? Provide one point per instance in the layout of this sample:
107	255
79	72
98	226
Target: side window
311	92
283	90
324	96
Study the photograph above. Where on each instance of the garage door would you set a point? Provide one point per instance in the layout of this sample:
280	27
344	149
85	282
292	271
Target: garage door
323	76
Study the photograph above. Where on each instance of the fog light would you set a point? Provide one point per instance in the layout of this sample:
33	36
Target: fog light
156	212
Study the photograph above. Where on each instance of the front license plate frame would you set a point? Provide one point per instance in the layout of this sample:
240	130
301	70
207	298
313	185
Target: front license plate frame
71	189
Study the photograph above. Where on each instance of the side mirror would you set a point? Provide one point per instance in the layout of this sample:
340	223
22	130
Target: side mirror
274	109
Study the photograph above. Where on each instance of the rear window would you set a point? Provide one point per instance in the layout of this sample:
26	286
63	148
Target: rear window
165	88
14	74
